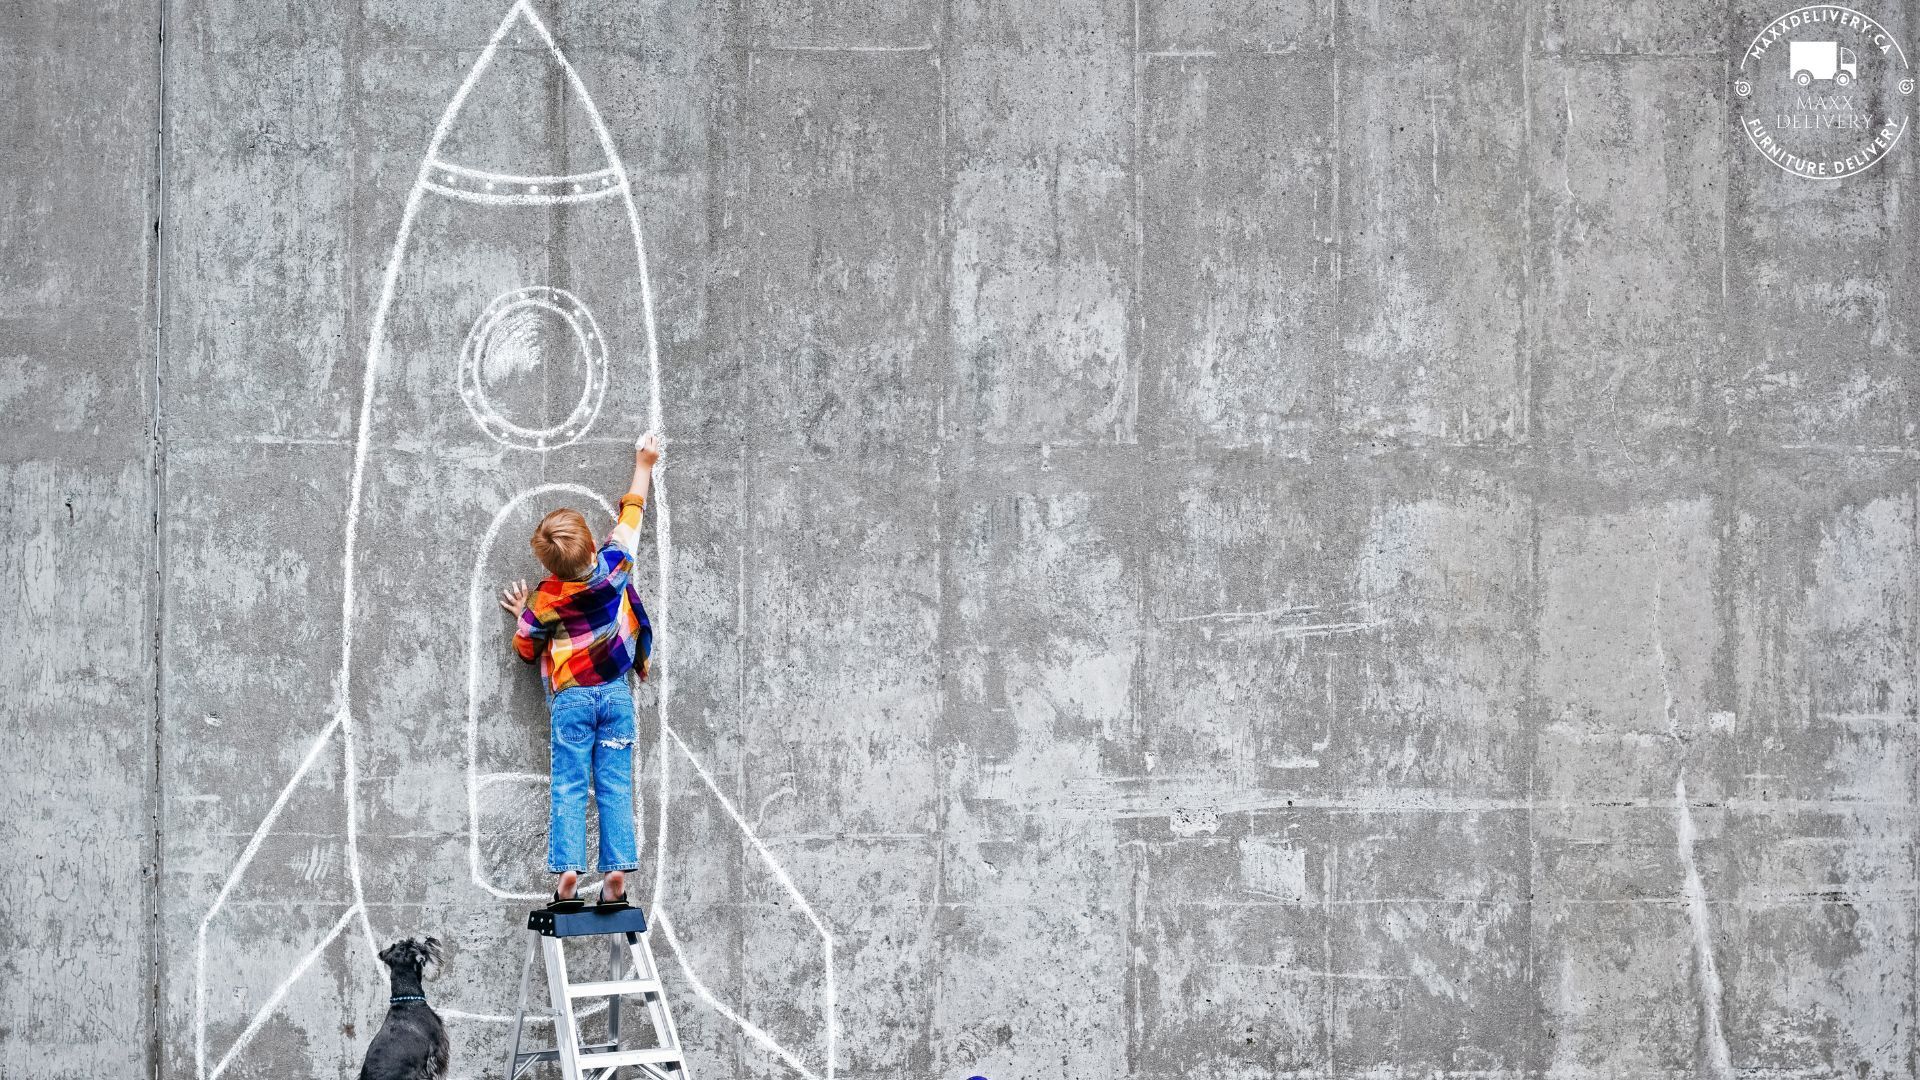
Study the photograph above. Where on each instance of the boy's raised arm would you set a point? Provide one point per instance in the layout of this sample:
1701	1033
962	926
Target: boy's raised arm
626	531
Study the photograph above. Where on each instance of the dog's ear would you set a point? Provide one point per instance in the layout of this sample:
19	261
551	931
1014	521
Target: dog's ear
391	952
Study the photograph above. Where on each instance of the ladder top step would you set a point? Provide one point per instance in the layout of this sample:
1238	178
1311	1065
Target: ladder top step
610	989
584	923
656	1056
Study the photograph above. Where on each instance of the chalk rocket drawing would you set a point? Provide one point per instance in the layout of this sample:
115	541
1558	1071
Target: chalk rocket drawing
483	365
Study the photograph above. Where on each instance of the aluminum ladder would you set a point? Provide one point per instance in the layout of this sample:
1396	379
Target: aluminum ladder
632	975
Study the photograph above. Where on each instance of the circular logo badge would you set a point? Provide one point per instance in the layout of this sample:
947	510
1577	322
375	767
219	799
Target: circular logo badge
1824	92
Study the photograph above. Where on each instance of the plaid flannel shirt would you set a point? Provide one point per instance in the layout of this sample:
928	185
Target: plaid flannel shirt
589	632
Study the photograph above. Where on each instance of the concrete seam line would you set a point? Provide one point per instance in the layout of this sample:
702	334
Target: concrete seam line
151	960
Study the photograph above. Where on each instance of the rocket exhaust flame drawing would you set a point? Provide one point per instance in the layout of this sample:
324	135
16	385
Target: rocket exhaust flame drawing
515	309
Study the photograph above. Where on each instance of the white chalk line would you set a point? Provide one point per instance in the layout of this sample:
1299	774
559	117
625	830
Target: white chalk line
752	1030
515	778
793	891
240	865
520	179
492	198
516	189
660	741
280	992
779	872
1711	994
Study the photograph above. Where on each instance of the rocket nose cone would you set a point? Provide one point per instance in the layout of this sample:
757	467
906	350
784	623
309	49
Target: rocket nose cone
523	111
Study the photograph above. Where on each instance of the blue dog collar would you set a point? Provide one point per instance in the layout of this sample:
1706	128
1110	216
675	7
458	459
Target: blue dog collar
406	997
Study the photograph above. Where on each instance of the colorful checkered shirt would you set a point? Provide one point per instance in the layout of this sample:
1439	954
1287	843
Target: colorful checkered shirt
594	631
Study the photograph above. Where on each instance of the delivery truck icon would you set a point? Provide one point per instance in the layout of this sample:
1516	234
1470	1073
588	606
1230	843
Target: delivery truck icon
1811	61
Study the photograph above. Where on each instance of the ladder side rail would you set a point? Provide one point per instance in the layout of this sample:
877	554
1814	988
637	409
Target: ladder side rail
640	947
566	1029
655	1002
514	1067
614	974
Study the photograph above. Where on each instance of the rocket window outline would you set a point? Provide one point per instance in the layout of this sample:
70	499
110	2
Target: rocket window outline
593	349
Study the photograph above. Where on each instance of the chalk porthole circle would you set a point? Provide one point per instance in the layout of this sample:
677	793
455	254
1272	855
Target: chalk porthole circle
500	337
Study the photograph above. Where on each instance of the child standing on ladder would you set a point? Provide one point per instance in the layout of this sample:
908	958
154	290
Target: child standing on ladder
585	625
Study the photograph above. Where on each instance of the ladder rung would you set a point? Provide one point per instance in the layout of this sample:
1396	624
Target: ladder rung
612	989
656	1056
534	1057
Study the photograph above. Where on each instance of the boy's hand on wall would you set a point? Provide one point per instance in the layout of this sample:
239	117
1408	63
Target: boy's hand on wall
514	598
646	452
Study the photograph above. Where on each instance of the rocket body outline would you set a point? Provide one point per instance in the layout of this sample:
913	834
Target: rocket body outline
461	182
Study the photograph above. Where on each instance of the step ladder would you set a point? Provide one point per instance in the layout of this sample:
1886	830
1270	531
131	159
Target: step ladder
632	974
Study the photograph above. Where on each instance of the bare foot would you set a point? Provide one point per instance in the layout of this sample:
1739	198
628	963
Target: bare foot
615	886
569	881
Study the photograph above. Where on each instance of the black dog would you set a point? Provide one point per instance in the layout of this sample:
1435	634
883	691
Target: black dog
412	1043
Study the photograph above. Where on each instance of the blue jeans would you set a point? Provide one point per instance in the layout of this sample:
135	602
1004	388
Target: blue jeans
592	748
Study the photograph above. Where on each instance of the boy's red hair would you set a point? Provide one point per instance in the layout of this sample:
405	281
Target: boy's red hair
564	545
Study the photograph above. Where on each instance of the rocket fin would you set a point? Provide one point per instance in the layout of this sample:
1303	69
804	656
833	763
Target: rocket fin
287	898
794	1023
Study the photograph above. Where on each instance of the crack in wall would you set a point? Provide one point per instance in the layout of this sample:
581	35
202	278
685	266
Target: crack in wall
1711	992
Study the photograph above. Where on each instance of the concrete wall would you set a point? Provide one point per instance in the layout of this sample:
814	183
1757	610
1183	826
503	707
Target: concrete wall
1209	539
81	953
